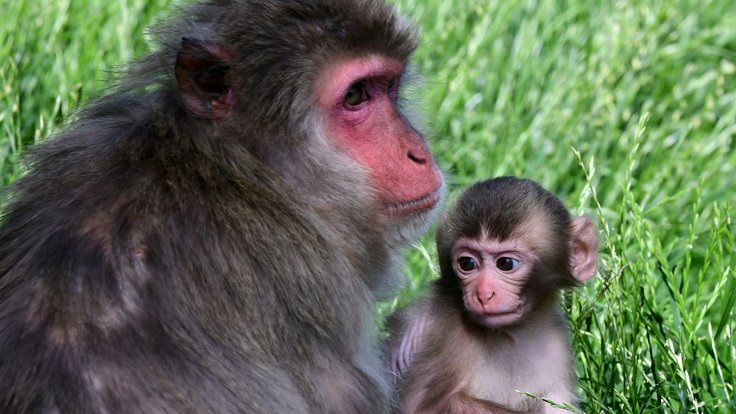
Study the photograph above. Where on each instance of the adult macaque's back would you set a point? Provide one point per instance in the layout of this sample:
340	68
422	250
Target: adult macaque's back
212	236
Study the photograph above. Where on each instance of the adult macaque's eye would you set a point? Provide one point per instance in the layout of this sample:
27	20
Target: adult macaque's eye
393	87
355	96
506	264
467	264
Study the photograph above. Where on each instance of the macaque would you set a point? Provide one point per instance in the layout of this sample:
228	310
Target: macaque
211	237
492	327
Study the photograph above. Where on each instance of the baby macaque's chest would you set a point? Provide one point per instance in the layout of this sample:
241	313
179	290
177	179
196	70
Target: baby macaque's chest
505	369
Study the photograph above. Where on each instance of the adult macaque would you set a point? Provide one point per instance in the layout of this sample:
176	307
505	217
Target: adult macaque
492	324
212	236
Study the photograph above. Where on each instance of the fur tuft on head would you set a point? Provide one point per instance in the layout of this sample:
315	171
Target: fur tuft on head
506	208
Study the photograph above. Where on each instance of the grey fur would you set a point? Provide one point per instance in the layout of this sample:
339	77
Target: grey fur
153	262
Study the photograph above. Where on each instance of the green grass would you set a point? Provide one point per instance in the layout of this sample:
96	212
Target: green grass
627	110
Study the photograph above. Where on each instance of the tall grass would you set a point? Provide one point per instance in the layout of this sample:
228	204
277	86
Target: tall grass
55	56
627	110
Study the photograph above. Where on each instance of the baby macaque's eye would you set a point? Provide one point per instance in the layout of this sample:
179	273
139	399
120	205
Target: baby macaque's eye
467	264
507	263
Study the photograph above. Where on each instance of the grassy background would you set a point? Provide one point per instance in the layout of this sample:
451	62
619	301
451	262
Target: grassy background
627	111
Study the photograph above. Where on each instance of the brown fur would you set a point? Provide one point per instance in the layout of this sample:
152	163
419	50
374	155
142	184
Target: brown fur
157	259
447	360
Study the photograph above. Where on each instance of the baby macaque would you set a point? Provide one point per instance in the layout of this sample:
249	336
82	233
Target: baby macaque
492	328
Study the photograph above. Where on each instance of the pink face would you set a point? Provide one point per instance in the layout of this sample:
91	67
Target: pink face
492	275
359	98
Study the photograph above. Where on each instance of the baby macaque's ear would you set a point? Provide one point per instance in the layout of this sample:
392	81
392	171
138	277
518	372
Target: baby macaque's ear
443	217
583	249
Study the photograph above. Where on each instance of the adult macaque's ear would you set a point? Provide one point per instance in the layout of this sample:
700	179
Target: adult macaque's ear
584	249
201	72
